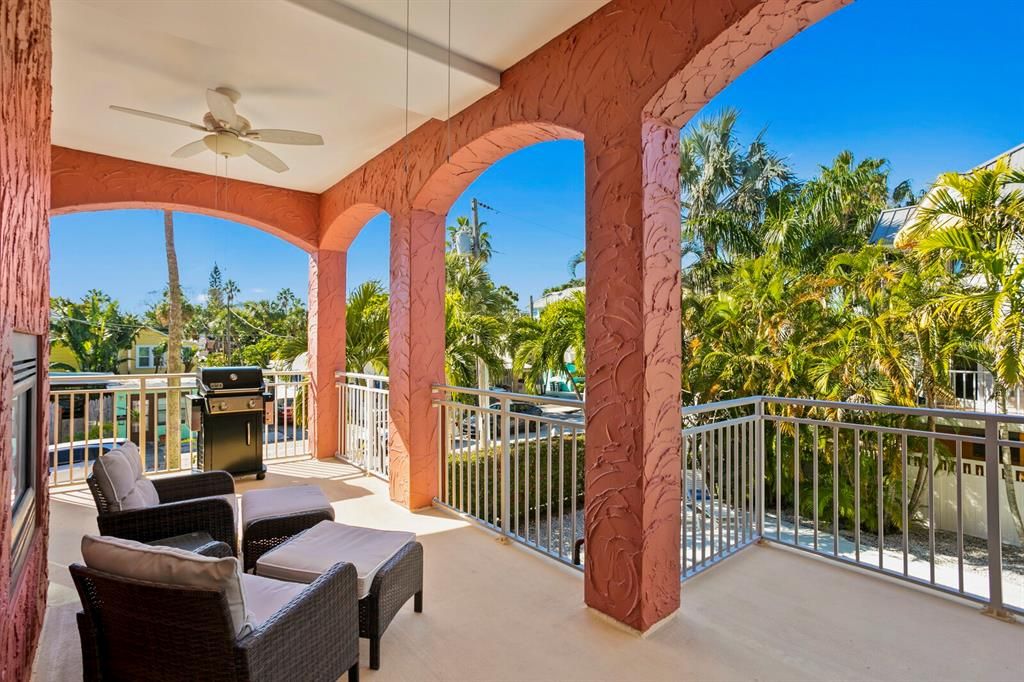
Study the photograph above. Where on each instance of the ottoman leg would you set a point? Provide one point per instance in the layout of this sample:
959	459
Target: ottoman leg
417	603
375	653
353	672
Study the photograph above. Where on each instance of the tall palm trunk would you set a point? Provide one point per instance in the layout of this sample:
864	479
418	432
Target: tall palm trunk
174	362
1006	460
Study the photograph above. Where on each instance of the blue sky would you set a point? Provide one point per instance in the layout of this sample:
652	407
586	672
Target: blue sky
931	85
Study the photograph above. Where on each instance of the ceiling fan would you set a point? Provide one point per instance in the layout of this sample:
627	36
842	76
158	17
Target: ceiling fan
230	134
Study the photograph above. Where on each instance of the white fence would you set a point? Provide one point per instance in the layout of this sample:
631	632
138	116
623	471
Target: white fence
91	413
363	423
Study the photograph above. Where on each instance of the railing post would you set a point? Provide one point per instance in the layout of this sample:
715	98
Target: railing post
759	446
342	443
369	453
442	448
993	477
506	465
142	427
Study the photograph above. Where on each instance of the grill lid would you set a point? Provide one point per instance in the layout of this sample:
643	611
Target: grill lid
230	379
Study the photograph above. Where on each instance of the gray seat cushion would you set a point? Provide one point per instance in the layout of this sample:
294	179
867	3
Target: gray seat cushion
119	476
269	503
170	566
265	596
309	554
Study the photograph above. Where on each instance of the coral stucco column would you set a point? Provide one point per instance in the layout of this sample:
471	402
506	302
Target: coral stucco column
416	353
633	372
326	324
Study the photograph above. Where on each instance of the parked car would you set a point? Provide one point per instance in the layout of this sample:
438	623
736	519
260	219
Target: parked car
517	425
286	411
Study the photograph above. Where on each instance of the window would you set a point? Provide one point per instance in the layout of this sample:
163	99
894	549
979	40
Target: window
24	423
145	357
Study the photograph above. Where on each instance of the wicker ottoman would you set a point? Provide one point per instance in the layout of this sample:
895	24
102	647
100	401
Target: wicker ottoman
389	568
272	515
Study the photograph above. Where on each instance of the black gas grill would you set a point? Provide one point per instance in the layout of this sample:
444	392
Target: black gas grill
229	413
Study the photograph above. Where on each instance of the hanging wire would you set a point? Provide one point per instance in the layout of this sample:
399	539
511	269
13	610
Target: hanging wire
525	220
448	120
408	196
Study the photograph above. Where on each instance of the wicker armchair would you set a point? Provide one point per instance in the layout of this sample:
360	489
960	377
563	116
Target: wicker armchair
136	630
187	503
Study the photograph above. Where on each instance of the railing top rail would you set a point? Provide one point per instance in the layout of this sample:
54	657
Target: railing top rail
689	410
358	375
515	397
59	378
960	415
472	410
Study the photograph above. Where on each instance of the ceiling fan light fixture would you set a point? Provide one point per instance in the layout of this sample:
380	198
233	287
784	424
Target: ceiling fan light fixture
226	144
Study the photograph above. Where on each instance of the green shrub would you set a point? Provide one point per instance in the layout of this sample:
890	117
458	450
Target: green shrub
473	478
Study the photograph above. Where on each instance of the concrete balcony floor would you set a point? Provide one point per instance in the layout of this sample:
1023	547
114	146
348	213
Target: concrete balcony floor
502	612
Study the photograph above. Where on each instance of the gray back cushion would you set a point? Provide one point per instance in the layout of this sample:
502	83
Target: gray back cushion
119	476
170	566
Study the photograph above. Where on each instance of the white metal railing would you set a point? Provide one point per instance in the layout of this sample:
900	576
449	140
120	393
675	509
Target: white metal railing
287	436
721	492
914	493
91	413
363	424
975	390
514	463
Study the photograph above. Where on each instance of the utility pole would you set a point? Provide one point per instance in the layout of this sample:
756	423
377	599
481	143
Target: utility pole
476	228
483	380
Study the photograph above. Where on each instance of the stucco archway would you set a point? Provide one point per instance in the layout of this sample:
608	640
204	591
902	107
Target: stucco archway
83	181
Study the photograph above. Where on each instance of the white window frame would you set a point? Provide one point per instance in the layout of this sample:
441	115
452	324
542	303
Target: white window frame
151	361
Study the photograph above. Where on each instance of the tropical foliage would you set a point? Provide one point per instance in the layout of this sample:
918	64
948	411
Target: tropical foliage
94	330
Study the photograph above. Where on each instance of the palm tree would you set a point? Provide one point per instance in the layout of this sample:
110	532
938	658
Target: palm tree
725	188
472	338
230	291
366	328
575	262
974	225
474	297
552	343
832	213
173	353
94	330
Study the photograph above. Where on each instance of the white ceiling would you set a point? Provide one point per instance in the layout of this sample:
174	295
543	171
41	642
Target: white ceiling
334	67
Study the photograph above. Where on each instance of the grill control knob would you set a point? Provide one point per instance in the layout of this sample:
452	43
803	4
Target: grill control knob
223	406
252	402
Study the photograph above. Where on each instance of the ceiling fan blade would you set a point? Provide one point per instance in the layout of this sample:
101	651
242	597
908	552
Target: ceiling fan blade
158	117
222	108
265	158
277	136
190	149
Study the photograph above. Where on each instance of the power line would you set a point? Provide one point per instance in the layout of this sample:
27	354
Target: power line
261	331
110	325
527	221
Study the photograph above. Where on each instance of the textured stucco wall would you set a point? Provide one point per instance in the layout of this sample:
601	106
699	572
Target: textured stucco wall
24	293
415	353
83	181
326	325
